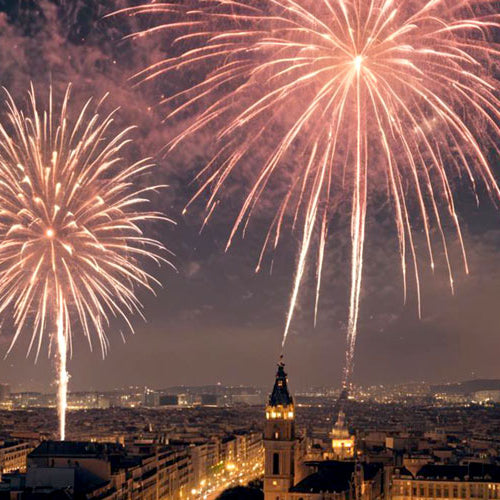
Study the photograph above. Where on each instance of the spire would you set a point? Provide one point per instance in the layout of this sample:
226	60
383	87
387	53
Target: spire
280	395
341	402
340	427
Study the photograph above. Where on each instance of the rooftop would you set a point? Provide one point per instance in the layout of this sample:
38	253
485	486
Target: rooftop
475	471
331	476
75	449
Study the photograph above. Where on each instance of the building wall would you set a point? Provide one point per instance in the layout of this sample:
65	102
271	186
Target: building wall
414	489
14	457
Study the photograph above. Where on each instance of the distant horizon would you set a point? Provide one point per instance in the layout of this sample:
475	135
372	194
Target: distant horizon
260	387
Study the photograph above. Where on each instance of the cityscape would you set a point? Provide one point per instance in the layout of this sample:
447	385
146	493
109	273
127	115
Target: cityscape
249	249
410	441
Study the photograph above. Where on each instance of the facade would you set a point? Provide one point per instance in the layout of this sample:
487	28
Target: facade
447	482
13	456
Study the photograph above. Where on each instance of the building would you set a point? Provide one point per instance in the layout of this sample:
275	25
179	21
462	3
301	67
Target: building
154	399
343	443
279	439
149	467
447	482
13	456
291	474
107	471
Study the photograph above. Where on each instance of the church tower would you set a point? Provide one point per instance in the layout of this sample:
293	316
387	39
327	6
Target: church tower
343	443
279	439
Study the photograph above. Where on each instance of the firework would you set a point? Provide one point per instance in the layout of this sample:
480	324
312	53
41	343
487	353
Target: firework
359	96
71	241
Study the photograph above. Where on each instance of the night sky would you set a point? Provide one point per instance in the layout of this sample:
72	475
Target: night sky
215	320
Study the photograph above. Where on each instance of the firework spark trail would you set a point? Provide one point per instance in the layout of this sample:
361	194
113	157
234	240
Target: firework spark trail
62	372
359	97
71	242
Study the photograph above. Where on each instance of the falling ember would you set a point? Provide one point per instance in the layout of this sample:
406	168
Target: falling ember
71	243
360	97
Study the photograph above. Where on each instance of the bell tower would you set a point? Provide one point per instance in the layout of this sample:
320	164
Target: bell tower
279	439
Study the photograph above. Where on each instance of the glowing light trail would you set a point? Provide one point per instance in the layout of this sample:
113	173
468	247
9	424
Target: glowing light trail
71	242
359	96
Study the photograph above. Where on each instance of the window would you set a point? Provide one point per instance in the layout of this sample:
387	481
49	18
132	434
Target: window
446	493
276	464
421	492
438	491
431	490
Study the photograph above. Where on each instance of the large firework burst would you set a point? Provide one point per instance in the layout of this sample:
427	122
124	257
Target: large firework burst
358	96
71	242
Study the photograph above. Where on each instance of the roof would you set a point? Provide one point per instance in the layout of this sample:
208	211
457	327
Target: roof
74	449
473	472
280	395
403	471
370	470
334	476
331	476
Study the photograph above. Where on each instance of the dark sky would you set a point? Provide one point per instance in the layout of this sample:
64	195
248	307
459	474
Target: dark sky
216	320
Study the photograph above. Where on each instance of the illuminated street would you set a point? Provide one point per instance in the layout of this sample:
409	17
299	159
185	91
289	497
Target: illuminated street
232	476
